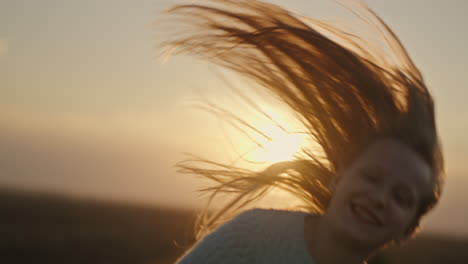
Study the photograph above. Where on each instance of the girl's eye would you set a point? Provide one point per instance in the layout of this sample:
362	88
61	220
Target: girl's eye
403	197
370	176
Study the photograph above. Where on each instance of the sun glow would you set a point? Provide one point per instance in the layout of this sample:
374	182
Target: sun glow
281	146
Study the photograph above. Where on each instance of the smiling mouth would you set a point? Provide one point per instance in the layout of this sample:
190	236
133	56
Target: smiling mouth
365	215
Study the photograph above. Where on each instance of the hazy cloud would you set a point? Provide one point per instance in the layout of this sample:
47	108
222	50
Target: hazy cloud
52	155
4	46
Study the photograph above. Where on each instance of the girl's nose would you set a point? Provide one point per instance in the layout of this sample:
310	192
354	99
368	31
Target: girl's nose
379	199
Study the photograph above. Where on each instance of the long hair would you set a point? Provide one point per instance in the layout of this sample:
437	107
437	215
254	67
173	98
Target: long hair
346	92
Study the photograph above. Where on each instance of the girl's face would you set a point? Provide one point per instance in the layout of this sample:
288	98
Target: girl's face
377	198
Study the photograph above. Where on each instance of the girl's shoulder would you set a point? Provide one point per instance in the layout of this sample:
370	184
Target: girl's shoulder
277	234
262	214
271	221
254	236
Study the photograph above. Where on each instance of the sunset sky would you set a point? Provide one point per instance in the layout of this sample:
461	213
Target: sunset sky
88	109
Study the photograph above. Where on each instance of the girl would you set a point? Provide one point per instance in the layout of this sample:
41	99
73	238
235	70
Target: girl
380	168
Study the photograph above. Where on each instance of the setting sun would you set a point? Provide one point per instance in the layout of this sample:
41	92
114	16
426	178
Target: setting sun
281	145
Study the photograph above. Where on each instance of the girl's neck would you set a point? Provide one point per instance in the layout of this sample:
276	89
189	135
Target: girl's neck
325	248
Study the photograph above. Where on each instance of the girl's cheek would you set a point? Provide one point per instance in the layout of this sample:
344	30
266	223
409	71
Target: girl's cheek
400	215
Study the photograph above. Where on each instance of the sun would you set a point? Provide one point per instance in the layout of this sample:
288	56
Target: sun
281	146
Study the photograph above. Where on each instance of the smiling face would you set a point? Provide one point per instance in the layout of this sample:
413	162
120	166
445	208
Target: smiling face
376	199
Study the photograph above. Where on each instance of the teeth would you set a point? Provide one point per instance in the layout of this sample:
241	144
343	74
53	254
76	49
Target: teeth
362	213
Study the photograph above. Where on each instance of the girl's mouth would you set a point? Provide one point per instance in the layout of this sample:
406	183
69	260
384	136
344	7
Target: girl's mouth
366	215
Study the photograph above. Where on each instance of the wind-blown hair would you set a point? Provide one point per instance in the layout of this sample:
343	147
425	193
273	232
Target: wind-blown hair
346	92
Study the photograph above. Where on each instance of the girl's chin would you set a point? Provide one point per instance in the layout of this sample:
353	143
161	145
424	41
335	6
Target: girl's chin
360	232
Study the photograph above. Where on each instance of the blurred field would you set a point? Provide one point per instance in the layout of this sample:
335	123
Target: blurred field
45	228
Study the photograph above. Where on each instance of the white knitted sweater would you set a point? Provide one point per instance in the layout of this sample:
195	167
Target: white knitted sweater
257	236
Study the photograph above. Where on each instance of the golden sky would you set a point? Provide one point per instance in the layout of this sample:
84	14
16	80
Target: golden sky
87	108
